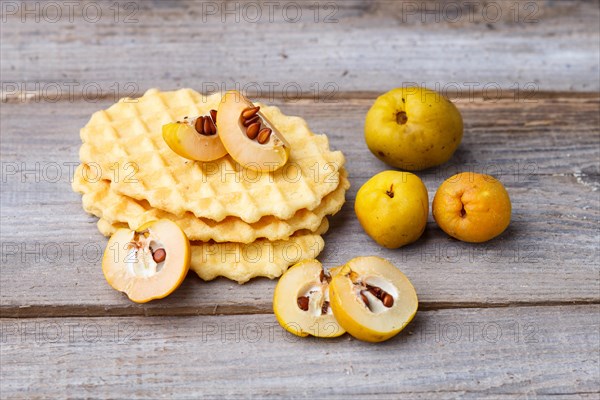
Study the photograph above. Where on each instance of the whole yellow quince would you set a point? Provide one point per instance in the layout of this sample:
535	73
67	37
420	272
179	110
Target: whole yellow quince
413	128
392	208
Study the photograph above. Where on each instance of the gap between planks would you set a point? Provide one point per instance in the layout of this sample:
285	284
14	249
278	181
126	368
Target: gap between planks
187	311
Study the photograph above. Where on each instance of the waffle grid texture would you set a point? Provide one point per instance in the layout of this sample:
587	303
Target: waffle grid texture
99	200
124	144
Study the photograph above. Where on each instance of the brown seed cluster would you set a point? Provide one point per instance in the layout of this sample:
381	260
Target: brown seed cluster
324	307
303	303
364	298
324	277
207	125
159	255
253	123
381	294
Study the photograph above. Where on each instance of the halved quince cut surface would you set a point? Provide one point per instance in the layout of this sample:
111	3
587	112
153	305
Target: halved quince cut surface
301	301
371	299
195	139
148	263
249	137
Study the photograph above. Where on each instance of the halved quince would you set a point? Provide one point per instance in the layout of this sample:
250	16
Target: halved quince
249	137
301	301
148	263
196	138
371	299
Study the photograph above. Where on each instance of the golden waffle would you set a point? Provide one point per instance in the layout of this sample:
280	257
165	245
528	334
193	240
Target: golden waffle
124	144
100	200
242	262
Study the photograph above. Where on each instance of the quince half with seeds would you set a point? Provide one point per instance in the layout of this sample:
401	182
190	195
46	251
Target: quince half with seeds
371	299
195	138
148	263
249	137
301	301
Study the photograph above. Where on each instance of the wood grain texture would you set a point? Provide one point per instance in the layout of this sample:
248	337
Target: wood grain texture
546	152
532	352
370	46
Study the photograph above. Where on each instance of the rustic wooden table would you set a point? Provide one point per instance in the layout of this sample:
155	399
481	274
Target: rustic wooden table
515	317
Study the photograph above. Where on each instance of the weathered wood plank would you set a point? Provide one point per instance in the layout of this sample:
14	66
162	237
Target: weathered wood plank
371	45
509	138
546	153
548	246
493	353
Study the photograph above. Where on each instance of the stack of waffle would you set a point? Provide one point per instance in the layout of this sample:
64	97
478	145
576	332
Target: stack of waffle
241	223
